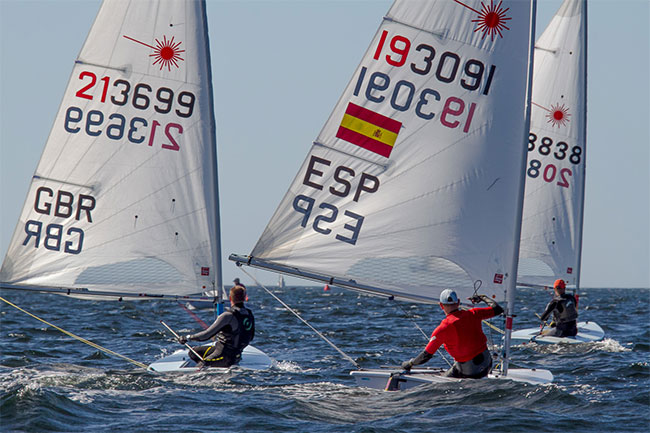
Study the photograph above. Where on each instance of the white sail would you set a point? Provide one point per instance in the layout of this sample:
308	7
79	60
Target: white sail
415	182
551	238
124	197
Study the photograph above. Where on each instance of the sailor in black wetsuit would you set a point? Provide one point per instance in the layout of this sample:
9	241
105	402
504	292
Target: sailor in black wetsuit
565	312
234	329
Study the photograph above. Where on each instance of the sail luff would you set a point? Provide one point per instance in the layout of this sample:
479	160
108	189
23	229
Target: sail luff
512	281
216	245
584	156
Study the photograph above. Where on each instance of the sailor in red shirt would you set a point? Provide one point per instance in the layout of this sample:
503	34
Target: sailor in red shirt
463	337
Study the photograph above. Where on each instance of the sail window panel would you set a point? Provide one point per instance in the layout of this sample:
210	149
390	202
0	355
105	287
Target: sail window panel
535	271
142	271
423	276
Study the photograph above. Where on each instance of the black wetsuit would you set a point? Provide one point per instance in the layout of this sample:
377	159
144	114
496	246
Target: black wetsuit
565	314
234	329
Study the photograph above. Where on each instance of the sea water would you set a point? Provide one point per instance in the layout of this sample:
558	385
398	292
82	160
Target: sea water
51	382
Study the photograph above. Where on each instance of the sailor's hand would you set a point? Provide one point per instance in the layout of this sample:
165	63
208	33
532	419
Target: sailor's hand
183	339
407	365
475	299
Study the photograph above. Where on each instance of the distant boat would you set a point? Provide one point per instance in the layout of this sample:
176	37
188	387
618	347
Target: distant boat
281	284
552	224
123	203
415	183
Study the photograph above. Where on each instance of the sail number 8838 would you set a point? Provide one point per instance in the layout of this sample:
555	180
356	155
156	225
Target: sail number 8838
549	171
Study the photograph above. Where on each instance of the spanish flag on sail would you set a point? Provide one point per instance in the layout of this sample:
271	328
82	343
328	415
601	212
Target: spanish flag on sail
372	131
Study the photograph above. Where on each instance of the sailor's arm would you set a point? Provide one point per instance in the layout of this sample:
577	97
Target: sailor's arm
549	309
222	321
496	308
425	355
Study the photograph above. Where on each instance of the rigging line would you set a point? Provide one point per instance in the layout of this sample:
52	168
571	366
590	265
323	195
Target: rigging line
491	326
423	333
194	316
303	320
83	340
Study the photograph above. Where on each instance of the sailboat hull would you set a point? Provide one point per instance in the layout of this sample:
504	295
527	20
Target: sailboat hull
179	361
379	379
587	332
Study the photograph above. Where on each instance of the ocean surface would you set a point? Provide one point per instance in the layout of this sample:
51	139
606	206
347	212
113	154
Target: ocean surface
51	382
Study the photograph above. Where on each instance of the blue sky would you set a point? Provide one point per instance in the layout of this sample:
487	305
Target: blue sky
279	68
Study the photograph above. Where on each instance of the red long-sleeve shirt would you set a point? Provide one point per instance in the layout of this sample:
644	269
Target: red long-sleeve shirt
461	333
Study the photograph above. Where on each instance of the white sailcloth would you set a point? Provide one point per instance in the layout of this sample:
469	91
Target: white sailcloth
551	238
415	182
124	197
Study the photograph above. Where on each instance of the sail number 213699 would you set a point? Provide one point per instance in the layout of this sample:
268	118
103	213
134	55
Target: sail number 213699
109	121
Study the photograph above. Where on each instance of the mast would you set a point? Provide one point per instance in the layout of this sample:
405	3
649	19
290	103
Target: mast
584	155
512	281
218	282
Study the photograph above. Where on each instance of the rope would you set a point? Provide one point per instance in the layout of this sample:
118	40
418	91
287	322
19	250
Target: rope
303	320
423	333
83	340
500	331
413	321
194	316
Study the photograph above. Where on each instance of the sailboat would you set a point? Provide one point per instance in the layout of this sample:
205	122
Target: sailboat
415	183
551	233
281	283
124	201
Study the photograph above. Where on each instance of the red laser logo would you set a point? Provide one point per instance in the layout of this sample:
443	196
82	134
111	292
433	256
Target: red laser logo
558	115
491	19
165	53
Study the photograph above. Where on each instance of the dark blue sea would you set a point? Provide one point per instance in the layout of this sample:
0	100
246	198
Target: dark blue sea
51	382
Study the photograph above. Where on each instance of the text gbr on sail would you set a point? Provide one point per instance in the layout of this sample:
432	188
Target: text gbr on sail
62	205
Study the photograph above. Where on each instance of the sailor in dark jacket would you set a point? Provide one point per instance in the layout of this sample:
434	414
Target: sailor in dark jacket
565	312
234	329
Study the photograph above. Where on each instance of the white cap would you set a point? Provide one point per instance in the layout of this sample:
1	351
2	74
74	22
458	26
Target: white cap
448	296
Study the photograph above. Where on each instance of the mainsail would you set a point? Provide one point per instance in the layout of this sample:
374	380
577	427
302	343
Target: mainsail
551	234
124	198
415	182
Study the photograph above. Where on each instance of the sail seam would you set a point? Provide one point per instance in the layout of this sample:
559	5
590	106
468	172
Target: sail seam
317	143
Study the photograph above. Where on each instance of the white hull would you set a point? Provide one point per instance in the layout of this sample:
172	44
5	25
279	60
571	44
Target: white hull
179	361
378	379
587	332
